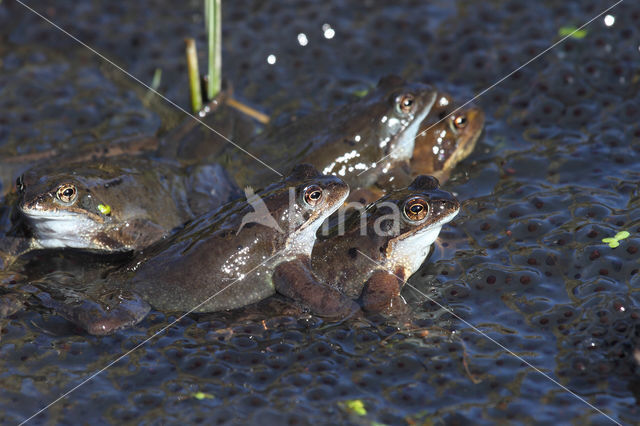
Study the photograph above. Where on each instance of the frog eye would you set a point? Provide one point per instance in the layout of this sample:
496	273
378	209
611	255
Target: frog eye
67	193
416	209
460	122
404	103
20	184
312	195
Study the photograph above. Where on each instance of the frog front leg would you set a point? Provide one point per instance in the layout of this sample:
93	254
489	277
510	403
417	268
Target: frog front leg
295	280
381	293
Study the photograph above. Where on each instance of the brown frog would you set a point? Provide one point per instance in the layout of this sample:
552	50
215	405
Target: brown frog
376	249
357	142
221	260
115	204
441	143
444	140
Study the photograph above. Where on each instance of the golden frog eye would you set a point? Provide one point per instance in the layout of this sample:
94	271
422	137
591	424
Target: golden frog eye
67	193
405	102
416	209
460	122
312	195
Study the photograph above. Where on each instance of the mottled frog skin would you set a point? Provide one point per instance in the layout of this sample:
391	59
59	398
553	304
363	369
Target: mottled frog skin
356	142
380	247
116	204
227	260
221	260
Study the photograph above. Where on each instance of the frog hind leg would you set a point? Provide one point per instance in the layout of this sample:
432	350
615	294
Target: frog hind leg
101	314
295	280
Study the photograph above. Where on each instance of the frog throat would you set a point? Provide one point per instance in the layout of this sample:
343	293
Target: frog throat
61	230
410	251
405	140
302	241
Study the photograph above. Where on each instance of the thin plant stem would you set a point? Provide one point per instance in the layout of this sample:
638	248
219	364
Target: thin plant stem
194	75
247	110
213	12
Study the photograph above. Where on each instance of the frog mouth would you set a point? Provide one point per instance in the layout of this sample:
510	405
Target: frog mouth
38	212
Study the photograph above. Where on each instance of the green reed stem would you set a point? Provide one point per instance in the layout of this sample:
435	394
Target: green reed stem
194	75
213	14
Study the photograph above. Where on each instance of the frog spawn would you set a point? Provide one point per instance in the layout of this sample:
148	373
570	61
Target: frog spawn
254	366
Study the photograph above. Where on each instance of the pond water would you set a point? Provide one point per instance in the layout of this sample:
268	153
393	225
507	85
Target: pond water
555	172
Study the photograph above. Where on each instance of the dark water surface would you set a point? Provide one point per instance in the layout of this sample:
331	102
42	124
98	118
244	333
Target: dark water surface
556	171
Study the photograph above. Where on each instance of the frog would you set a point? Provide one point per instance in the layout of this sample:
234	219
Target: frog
12	165
357	142
113	204
219	261
233	254
444	139
371	254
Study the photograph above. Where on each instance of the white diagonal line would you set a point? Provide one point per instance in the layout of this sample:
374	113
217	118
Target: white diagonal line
275	171
139	345
498	344
508	75
149	87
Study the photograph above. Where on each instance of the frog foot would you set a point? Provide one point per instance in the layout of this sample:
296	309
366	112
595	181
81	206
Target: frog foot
102	315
